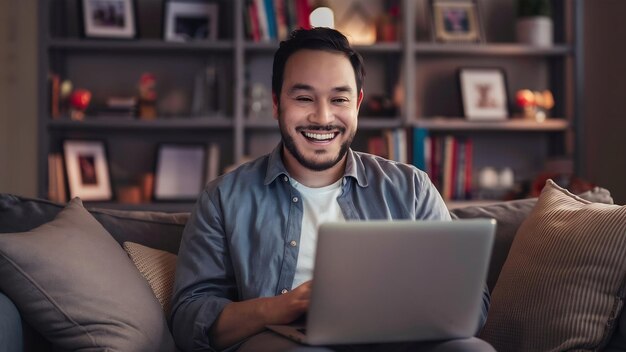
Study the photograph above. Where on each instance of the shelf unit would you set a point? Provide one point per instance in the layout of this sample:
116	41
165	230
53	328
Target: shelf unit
435	107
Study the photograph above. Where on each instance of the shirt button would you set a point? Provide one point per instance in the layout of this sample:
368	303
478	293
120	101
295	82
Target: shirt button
286	178
293	243
284	290
295	199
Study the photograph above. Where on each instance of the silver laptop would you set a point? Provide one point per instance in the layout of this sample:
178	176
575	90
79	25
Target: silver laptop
393	281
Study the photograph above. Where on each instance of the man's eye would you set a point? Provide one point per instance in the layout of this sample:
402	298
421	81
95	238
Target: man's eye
303	99
340	100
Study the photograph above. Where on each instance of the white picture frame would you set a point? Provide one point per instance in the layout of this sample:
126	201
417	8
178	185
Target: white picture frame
180	172
190	20
114	19
484	93
87	170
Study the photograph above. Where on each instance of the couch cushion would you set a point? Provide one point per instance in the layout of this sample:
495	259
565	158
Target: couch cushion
158	268
562	285
153	229
509	216
74	284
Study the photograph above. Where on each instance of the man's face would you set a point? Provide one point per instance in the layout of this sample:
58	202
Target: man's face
318	108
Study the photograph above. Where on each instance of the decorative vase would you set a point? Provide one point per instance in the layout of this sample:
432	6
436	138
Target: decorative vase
534	30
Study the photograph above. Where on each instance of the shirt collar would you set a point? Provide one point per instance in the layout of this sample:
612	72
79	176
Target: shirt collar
276	168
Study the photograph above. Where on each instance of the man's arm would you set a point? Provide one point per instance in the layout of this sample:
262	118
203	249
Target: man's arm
239	320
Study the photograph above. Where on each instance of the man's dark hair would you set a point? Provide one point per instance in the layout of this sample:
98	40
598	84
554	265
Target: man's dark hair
319	38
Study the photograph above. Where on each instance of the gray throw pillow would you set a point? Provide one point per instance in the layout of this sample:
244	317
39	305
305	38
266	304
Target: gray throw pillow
73	283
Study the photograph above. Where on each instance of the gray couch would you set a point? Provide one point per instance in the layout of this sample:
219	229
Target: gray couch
163	231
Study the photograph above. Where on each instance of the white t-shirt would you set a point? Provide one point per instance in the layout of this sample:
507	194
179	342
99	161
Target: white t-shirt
319	206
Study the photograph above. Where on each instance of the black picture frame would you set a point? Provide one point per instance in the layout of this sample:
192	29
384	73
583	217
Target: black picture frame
456	21
484	93
109	19
179	172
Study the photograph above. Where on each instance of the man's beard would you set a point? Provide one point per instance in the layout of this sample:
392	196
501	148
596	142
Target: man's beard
313	165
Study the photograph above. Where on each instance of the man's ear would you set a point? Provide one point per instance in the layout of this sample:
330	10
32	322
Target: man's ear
275	105
359	100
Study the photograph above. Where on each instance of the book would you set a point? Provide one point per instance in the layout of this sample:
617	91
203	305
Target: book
262	16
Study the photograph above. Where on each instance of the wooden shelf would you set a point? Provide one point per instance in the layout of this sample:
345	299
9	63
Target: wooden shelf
511	124
139	45
492	49
101	123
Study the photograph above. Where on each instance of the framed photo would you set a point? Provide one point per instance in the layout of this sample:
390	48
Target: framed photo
190	20
180	172
109	18
87	170
484	93
456	21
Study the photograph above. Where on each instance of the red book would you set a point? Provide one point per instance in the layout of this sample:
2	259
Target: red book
303	10
254	22
468	168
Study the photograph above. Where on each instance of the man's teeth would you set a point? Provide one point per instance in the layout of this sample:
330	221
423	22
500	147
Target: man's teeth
318	136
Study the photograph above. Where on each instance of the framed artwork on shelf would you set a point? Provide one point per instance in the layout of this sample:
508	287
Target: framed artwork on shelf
180	172
114	19
87	170
456	21
186	20
484	93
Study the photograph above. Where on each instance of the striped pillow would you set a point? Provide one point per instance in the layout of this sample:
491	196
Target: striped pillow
157	267
562	285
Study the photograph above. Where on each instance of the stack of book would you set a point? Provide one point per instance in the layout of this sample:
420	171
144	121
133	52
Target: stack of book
270	20
448	161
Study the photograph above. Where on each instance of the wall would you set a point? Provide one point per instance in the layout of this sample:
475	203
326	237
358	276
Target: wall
18	99
604	130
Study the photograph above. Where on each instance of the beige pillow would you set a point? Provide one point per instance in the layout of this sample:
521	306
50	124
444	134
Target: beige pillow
562	285
157	267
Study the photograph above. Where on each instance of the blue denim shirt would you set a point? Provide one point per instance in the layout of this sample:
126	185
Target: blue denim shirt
236	245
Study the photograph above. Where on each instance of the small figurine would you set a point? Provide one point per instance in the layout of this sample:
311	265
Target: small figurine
534	103
147	96
79	101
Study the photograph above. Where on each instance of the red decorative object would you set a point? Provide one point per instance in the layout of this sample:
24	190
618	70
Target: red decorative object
79	101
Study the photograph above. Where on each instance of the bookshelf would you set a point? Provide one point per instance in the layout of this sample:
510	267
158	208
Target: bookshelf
112	67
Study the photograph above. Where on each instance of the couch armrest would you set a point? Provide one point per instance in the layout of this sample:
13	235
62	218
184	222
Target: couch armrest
10	326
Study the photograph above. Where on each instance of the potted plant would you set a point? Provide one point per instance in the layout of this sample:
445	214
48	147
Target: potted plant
534	22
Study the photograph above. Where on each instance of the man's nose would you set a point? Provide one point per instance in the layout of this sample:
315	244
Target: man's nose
323	114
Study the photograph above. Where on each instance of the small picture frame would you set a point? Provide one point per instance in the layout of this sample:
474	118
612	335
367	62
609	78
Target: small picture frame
187	20
179	172
484	93
456	21
87	170
112	19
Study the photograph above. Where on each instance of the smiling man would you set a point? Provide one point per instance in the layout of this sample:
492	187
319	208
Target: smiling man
247	254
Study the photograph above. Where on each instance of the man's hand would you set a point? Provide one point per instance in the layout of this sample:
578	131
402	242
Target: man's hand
239	320
287	307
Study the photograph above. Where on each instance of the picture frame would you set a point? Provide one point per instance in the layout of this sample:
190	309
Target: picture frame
109	19
484	93
186	20
180	172
87	170
456	21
